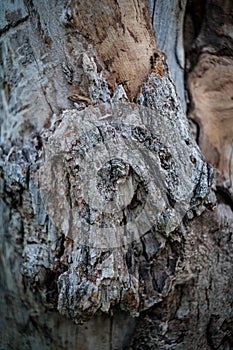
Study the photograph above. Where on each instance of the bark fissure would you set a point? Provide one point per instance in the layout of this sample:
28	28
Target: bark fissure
14	25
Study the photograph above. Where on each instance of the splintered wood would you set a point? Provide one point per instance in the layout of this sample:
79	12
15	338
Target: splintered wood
123	39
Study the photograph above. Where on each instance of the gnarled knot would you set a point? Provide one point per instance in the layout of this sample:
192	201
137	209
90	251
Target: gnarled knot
115	183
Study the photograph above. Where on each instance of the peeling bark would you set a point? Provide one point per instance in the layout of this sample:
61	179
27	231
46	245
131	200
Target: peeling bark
210	87
209	47
123	39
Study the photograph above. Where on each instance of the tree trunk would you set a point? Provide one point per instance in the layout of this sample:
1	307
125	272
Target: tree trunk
112	237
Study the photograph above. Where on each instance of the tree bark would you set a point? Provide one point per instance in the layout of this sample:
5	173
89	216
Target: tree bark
199	314
109	239
168	21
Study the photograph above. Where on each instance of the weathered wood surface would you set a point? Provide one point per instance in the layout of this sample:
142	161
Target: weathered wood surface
120	186
104	164
168	22
197	314
122	35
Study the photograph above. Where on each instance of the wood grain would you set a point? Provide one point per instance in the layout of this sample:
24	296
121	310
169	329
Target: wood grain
123	39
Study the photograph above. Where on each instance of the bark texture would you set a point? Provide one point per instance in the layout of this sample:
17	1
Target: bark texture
199	313
111	203
106	214
168	21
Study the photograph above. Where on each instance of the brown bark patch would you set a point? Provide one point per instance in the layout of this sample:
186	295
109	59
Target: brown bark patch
123	38
211	88
157	64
